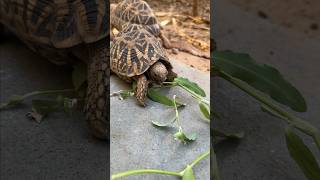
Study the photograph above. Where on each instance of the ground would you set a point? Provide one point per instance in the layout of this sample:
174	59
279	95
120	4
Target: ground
181	27
302	16
135	143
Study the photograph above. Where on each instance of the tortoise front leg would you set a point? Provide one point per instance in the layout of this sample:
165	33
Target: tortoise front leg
142	88
97	103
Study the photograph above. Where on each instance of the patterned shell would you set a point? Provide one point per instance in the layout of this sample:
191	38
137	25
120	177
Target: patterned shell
56	23
134	50
134	12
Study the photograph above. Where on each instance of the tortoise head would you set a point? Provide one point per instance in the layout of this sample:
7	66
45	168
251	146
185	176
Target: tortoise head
158	72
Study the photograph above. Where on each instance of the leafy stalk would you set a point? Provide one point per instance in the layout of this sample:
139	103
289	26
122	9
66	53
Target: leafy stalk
195	95
298	123
157	171
15	100
199	158
143	171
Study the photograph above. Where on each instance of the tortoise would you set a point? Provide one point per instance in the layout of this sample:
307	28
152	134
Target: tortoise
65	32
136	12
138	55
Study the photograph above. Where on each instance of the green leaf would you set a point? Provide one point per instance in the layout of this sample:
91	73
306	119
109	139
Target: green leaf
44	106
191	137
204	110
185	138
188	174
13	101
41	108
185	83
159	124
156	96
123	94
79	75
262	77
218	133
297	122
302	155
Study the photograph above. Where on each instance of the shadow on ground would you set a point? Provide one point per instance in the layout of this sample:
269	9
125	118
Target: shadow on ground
59	147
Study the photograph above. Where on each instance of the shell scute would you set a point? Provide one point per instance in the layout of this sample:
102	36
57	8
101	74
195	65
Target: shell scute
134	50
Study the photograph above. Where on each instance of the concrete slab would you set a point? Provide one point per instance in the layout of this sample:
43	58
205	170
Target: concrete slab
262	154
59	147
137	144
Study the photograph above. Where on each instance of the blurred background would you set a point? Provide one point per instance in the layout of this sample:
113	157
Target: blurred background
302	16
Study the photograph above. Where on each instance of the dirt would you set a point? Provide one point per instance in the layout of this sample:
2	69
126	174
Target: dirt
302	16
181	26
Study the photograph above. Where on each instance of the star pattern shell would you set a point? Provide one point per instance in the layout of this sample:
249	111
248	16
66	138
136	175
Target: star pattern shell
134	50
56	23
135	12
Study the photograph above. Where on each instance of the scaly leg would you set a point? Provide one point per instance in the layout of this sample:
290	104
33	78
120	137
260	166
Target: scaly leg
98	104
142	88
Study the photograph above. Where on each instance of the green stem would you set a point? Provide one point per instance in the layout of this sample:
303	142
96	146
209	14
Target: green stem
37	93
200	98
200	158
120	92
298	123
157	171
144	171
177	112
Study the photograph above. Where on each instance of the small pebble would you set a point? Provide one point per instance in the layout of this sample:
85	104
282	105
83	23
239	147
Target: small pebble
175	51
262	15
314	26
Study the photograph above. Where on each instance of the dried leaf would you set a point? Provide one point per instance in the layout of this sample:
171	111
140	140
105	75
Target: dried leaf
165	22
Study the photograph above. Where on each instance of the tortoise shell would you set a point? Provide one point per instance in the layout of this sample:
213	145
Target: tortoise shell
134	50
56	23
134	12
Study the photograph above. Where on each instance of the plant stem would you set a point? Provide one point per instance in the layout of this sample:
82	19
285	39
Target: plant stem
157	171
200	158
200	98
118	93
36	93
144	171
177	112
297	122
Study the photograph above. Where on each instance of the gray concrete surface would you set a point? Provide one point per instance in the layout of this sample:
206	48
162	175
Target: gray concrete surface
59	147
137	144
262	154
